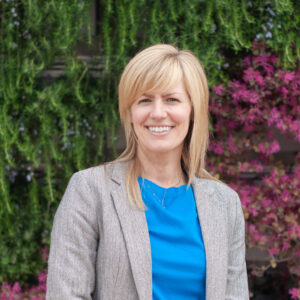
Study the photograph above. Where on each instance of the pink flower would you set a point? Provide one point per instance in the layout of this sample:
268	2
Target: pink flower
231	145
218	148
280	125
262	147
295	293
248	127
254	76
259	168
45	252
9	292
231	124
247	62
273	251
274	116
269	69
295	126
275	147
288	76
253	97
219	89
286	246
284	91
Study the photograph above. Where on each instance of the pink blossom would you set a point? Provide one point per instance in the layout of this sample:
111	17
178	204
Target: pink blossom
219	89
273	251
236	85
243	167
254	76
253	97
288	76
231	145
253	210
259	168
275	147
280	125
231	124
262	147
218	148
275	115
269	69
45	252
284	91
266	203
249	127
273	59
9	292
295	126
286	246
261	58
295	293
247	61
241	93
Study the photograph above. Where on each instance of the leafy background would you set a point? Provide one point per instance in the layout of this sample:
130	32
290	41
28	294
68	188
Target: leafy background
53	125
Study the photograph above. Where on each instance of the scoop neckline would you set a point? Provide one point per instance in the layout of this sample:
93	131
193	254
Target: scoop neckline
176	188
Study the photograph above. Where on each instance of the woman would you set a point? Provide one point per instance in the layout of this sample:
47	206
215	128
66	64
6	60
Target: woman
153	224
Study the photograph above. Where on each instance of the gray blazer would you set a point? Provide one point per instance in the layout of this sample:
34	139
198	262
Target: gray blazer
100	247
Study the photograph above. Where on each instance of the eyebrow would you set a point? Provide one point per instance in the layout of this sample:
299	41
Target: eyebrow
164	95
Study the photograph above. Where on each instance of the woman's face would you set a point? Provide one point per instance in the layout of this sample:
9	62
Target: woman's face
161	120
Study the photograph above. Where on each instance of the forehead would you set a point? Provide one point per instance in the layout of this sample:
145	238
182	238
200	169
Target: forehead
177	89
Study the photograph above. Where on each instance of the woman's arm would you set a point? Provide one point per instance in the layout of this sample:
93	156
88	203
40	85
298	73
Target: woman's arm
74	240
237	281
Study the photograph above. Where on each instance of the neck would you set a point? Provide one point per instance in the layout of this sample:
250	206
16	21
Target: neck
162	168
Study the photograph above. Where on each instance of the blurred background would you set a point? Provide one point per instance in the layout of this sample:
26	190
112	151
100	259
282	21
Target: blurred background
60	63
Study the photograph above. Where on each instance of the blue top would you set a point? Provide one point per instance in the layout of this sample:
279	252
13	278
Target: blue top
177	249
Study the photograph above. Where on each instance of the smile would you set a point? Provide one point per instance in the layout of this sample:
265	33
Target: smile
159	129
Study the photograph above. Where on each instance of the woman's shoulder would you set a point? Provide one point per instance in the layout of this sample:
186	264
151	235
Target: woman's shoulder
219	194
222	191
100	173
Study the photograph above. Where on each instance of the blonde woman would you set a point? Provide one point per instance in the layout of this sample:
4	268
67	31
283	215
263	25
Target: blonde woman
153	224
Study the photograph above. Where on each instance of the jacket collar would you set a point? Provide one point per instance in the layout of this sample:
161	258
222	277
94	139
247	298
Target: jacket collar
134	225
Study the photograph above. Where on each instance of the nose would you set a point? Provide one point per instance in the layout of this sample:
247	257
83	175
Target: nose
158	110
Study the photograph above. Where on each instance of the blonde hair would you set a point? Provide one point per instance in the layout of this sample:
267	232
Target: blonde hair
160	67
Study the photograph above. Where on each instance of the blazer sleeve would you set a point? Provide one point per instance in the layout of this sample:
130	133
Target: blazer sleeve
237	281
73	247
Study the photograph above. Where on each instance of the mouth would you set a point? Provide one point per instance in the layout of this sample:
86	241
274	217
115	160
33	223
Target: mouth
159	129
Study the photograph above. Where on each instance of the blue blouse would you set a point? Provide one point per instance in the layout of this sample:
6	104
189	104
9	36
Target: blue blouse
177	249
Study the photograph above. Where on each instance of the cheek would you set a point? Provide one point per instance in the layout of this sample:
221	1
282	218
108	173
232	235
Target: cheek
183	117
137	116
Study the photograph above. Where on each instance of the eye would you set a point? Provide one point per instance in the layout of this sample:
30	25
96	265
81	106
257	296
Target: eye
172	100
145	100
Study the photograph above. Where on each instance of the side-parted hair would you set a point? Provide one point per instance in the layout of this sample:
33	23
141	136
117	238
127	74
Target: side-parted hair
159	68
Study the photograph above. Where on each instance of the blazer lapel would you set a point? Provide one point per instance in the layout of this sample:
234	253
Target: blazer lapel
134	225
212	217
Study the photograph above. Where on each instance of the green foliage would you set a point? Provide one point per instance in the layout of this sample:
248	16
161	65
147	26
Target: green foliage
51	128
45	127
217	31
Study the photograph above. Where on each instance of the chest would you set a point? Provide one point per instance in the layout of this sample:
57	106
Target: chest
124	261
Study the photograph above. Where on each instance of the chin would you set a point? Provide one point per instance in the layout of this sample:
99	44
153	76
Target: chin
159	149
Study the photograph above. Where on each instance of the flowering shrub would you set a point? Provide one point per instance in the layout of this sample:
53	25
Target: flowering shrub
248	114
14	291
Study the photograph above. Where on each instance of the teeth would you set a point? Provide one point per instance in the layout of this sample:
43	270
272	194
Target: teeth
160	129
